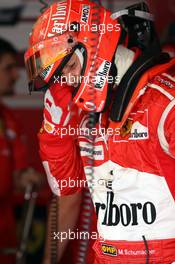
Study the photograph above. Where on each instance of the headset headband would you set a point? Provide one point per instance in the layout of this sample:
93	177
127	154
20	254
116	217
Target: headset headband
136	13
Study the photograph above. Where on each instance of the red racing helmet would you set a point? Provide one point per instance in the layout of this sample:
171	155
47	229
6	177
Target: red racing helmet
70	26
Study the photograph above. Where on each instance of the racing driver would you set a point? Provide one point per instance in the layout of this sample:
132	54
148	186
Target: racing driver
132	99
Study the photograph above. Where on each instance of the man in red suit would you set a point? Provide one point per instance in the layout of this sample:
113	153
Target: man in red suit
15	171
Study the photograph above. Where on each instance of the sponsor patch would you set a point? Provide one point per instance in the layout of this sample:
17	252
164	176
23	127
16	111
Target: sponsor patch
85	13
165	81
58	19
96	151
49	127
102	74
133	214
45	73
108	250
139	132
135	128
126	129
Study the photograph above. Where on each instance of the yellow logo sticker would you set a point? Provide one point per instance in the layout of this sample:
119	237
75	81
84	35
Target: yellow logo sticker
49	127
109	250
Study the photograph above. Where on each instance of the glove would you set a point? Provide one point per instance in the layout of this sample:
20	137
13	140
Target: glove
57	108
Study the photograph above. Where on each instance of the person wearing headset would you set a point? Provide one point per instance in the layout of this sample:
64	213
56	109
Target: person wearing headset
128	154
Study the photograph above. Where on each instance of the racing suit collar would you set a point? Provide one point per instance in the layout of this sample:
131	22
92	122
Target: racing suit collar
123	60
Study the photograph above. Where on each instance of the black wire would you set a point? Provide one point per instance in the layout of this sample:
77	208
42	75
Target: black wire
91	124
147	249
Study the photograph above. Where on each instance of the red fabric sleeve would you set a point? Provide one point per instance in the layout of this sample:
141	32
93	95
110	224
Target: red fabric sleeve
60	153
170	131
62	163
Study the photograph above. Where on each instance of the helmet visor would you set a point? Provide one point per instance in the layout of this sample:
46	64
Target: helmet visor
44	54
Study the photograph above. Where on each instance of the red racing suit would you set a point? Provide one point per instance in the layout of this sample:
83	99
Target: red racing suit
133	176
12	157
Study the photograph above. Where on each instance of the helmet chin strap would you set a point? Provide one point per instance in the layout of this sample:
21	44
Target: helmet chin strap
80	56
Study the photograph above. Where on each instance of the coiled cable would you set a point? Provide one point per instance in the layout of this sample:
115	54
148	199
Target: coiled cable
92	93
54	215
87	207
